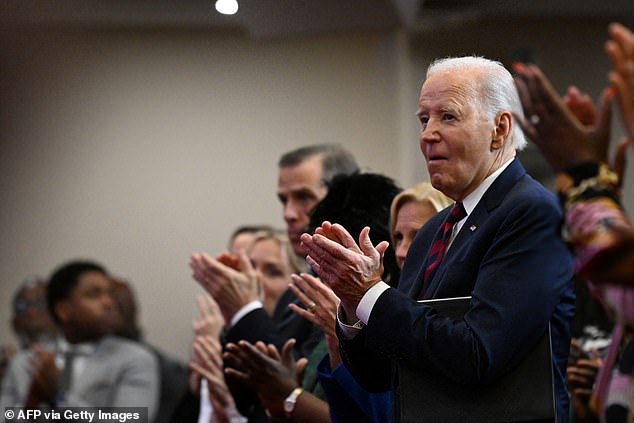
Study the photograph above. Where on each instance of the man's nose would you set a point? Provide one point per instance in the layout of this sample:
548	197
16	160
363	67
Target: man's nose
290	211
429	133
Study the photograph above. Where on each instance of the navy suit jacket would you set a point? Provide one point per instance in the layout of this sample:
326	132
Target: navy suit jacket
510	258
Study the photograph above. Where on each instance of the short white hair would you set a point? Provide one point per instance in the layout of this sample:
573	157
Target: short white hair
496	89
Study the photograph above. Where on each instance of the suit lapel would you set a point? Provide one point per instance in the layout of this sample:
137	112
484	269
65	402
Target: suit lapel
490	200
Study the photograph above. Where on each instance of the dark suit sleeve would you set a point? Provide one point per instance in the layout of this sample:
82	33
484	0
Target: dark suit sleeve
348	402
358	359
517	270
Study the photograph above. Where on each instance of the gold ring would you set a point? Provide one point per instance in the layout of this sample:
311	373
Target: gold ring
311	306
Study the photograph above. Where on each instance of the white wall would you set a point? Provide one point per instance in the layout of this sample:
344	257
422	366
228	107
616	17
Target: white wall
138	148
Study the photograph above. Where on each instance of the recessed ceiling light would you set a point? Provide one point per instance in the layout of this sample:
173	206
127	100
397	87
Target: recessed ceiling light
227	7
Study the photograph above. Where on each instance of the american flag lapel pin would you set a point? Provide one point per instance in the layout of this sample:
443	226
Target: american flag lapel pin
472	228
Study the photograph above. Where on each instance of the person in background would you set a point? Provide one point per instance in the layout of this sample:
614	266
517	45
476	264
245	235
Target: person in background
355	200
272	261
88	368
303	178
204	326
574	137
409	211
217	404
173	377
498	244
31	321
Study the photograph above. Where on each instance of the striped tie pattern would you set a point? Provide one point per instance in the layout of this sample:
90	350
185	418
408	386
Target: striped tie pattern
443	236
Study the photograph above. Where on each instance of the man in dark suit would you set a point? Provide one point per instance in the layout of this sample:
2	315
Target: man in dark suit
303	178
500	245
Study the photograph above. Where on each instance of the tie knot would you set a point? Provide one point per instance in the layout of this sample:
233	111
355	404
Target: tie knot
457	213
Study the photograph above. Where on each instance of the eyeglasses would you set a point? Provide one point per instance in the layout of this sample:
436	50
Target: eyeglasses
21	306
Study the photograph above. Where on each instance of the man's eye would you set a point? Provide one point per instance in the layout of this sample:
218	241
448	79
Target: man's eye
423	121
283	200
448	116
303	198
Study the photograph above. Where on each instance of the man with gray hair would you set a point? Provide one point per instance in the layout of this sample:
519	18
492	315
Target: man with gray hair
499	244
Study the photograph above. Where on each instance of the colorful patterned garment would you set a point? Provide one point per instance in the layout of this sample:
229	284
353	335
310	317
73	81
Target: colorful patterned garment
602	236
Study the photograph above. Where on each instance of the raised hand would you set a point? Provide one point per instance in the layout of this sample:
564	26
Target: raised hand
207	363
320	301
44	377
321	309
562	133
262	368
210	321
349	269
232	287
620	49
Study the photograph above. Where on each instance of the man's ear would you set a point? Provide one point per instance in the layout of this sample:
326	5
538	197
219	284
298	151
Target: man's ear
63	310
501	131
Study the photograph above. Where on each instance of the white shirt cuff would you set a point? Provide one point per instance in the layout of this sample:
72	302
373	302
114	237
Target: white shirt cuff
369	299
363	310
246	309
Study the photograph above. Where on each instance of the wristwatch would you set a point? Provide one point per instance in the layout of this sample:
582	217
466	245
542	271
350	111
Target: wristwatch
289	402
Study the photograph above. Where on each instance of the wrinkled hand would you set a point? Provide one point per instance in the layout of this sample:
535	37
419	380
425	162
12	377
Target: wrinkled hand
232	283
565	131
349	269
261	368
44	377
620	49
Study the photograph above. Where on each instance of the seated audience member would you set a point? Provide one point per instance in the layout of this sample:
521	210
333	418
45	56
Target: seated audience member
498	245
7	351
31	321
173	375
357	200
574	138
409	212
87	368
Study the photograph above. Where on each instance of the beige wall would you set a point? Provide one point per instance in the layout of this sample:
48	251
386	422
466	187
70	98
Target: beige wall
138	148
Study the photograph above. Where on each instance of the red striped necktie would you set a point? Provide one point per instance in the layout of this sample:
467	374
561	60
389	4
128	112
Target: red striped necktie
441	243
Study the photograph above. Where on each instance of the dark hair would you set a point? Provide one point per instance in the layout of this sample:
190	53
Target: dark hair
359	200
335	159
64	280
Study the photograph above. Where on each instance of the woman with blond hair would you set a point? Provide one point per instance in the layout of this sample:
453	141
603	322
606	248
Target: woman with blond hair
409	211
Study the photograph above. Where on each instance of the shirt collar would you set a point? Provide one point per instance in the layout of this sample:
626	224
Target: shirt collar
471	201
83	348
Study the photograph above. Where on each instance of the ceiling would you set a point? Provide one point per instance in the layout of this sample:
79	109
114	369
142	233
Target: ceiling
271	19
